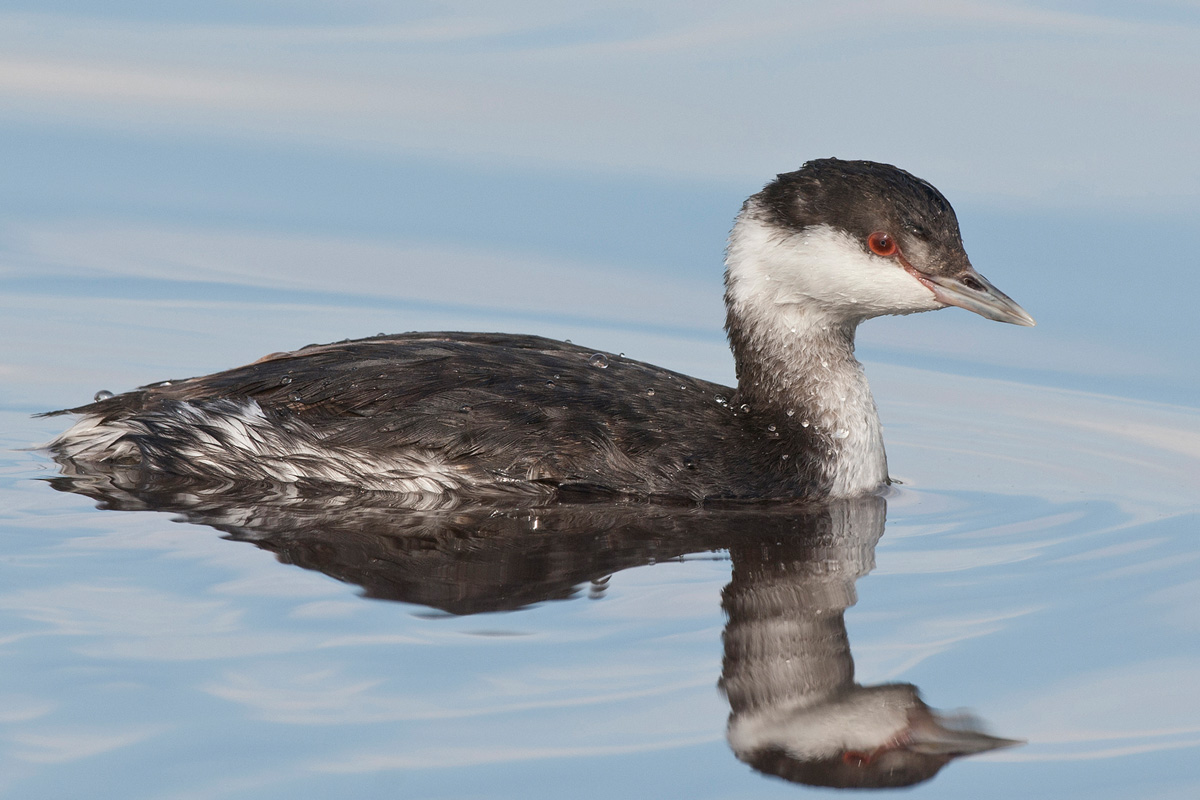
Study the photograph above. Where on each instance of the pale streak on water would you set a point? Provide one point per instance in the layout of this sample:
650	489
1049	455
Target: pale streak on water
1039	567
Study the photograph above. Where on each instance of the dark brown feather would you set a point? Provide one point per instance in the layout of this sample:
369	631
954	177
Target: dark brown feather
511	408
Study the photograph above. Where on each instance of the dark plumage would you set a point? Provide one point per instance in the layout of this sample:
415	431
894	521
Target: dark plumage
503	407
451	415
860	198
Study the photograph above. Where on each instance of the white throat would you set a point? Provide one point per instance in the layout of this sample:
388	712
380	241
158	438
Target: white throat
795	301
820	268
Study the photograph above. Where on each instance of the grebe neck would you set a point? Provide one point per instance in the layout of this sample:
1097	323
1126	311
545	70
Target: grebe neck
795	356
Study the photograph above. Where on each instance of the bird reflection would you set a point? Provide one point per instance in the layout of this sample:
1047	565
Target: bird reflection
788	674
789	677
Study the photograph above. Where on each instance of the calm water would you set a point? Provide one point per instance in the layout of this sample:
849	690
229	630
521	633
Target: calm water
1038	567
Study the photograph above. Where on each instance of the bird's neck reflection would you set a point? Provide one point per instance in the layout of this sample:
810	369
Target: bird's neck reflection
796	711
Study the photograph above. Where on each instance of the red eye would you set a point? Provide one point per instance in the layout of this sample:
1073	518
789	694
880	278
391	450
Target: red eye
882	244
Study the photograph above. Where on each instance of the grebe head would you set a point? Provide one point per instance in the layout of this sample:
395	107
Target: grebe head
843	241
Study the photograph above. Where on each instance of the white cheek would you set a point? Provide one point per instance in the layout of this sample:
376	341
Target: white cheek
820	267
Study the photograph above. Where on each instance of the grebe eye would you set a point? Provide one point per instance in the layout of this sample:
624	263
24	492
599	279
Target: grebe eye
882	244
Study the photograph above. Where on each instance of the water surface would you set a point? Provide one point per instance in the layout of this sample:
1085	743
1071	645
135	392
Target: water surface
1037	567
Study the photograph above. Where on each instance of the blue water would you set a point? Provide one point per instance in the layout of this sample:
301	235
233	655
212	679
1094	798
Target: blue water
1039	562
1038	567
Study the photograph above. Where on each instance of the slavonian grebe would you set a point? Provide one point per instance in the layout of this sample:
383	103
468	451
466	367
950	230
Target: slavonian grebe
811	256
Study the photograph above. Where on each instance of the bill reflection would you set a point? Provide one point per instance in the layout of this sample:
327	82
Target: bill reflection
788	674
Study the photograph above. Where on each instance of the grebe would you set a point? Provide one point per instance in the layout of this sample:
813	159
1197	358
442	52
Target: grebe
460	415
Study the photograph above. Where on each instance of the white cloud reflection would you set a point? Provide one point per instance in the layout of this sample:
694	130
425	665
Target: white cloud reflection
1136	708
329	697
61	745
908	643
1175	607
141	623
17	708
1056	444
411	271
451	757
